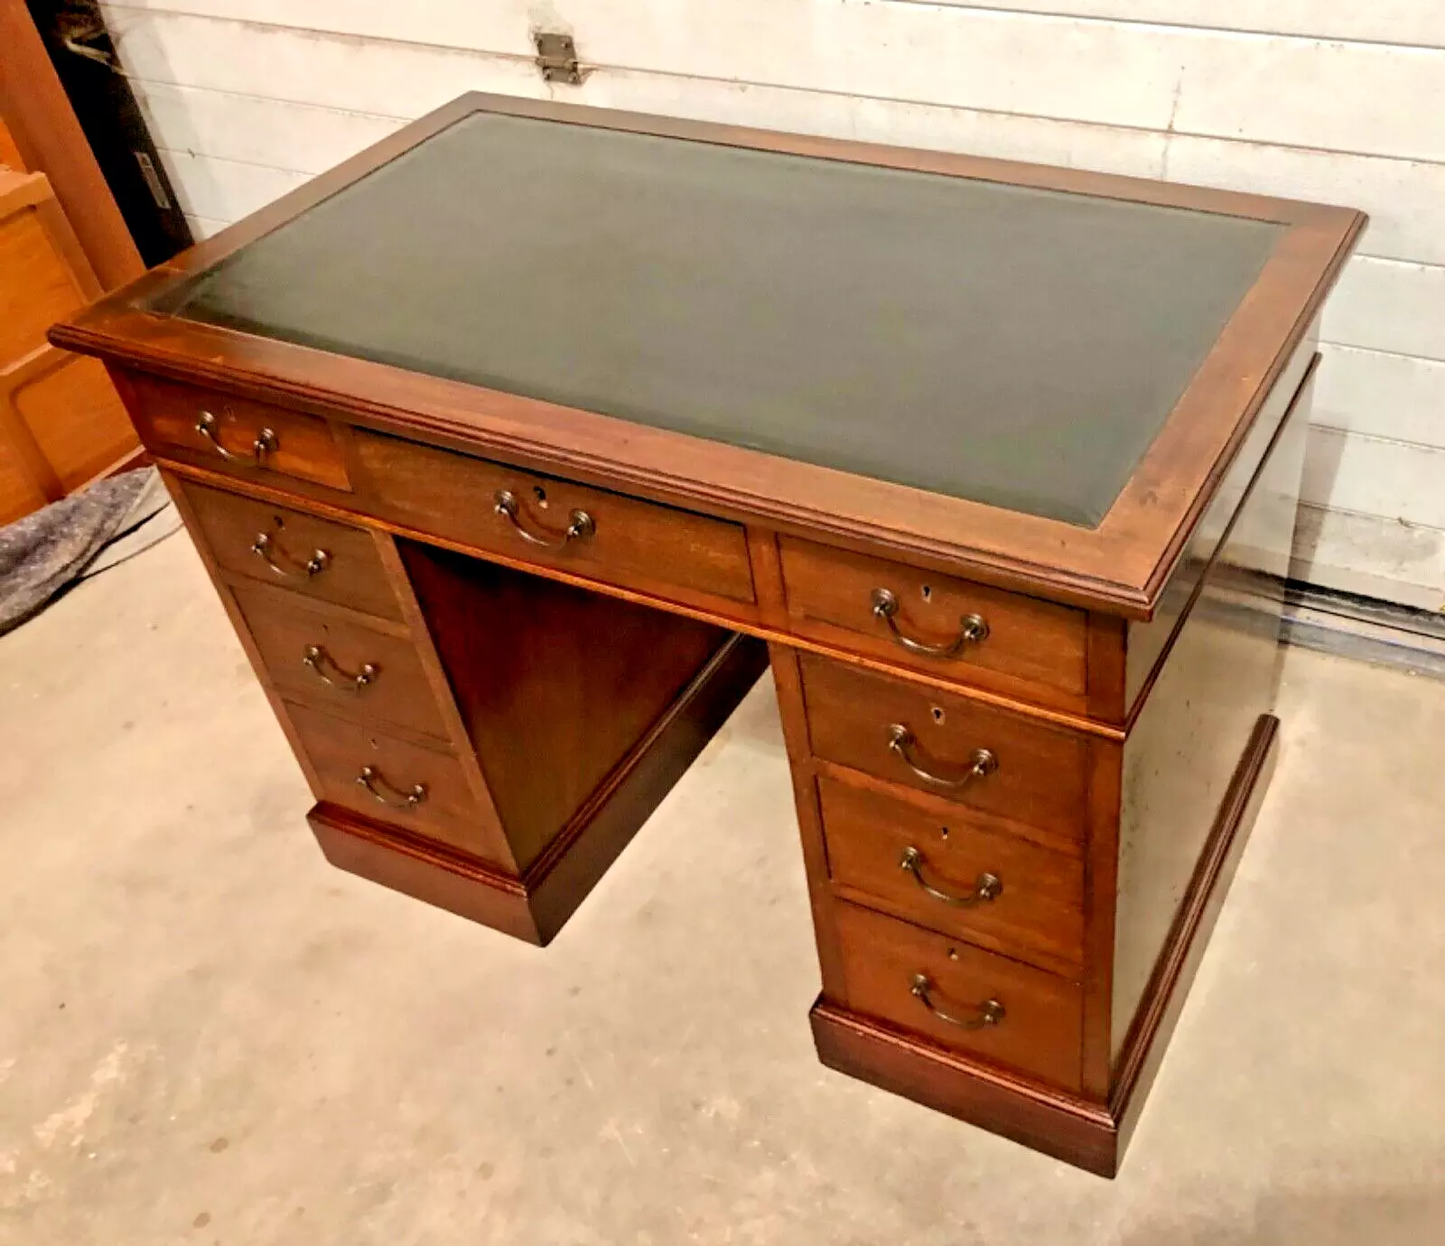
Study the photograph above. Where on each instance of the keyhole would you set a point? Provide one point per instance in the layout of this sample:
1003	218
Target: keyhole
927	593
937	714
541	495
953	953
943	831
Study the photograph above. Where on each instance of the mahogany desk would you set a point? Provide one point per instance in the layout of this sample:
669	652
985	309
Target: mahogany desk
518	445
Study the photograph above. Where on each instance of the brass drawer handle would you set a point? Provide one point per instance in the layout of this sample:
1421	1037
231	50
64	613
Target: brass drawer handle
266	443
267	551
988	887
389	794
902	741
582	524
990	1012
972	629
316	657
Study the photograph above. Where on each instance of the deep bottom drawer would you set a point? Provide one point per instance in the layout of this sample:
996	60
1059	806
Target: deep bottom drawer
962	997
346	753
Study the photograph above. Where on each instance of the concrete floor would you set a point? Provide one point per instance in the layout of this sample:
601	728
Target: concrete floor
208	1035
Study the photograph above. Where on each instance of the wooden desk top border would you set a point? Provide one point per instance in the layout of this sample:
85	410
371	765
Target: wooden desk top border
1120	567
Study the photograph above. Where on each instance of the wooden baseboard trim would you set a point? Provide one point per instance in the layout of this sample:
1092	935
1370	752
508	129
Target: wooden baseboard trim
1089	1135
536	906
1050	1121
424	870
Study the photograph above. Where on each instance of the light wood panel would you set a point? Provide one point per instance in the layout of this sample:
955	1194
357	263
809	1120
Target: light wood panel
61	421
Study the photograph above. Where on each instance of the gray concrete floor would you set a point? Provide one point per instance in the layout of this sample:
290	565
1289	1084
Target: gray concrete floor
207	1035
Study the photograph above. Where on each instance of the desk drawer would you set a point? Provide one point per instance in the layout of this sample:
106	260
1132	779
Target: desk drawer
961	997
977	756
311	556
924	860
251	439
374	774
923	620
355	669
980	757
554	523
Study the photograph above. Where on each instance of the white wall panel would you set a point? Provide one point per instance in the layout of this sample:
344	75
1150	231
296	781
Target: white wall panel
1371	555
257	130
1388	305
225	190
1399	397
1360	97
1418	22
495	25
1373	476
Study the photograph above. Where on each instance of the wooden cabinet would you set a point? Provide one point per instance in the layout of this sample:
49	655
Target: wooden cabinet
552	471
61	422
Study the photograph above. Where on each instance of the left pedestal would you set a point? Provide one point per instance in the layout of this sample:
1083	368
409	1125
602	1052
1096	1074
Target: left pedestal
477	737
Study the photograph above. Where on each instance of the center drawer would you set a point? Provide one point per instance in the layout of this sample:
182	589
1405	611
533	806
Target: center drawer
980	757
556	523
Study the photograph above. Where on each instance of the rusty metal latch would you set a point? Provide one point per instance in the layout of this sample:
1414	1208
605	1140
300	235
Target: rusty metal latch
557	57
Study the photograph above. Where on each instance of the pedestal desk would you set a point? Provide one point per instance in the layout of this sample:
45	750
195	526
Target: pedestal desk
520	444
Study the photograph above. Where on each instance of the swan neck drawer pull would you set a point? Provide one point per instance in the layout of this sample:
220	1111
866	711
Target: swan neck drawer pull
972	629
266	442
316	658
269	552
990	1012
902	741
389	794
580	527
988	886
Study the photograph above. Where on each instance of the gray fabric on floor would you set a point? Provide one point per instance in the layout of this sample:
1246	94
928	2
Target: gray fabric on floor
45	552
152	518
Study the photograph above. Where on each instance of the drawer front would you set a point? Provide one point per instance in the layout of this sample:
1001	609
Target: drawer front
961	997
308	555
939	871
231	434
555	523
343	753
980	757
356	670
934	623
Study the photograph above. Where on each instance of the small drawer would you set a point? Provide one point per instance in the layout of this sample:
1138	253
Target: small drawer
416	789
961	997
983	758
356	670
312	556
555	523
231	434
923	860
934	623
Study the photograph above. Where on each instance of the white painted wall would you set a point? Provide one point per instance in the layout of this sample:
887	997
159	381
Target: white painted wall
1331	100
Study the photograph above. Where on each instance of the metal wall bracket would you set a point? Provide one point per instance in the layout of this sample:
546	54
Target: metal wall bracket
557	57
